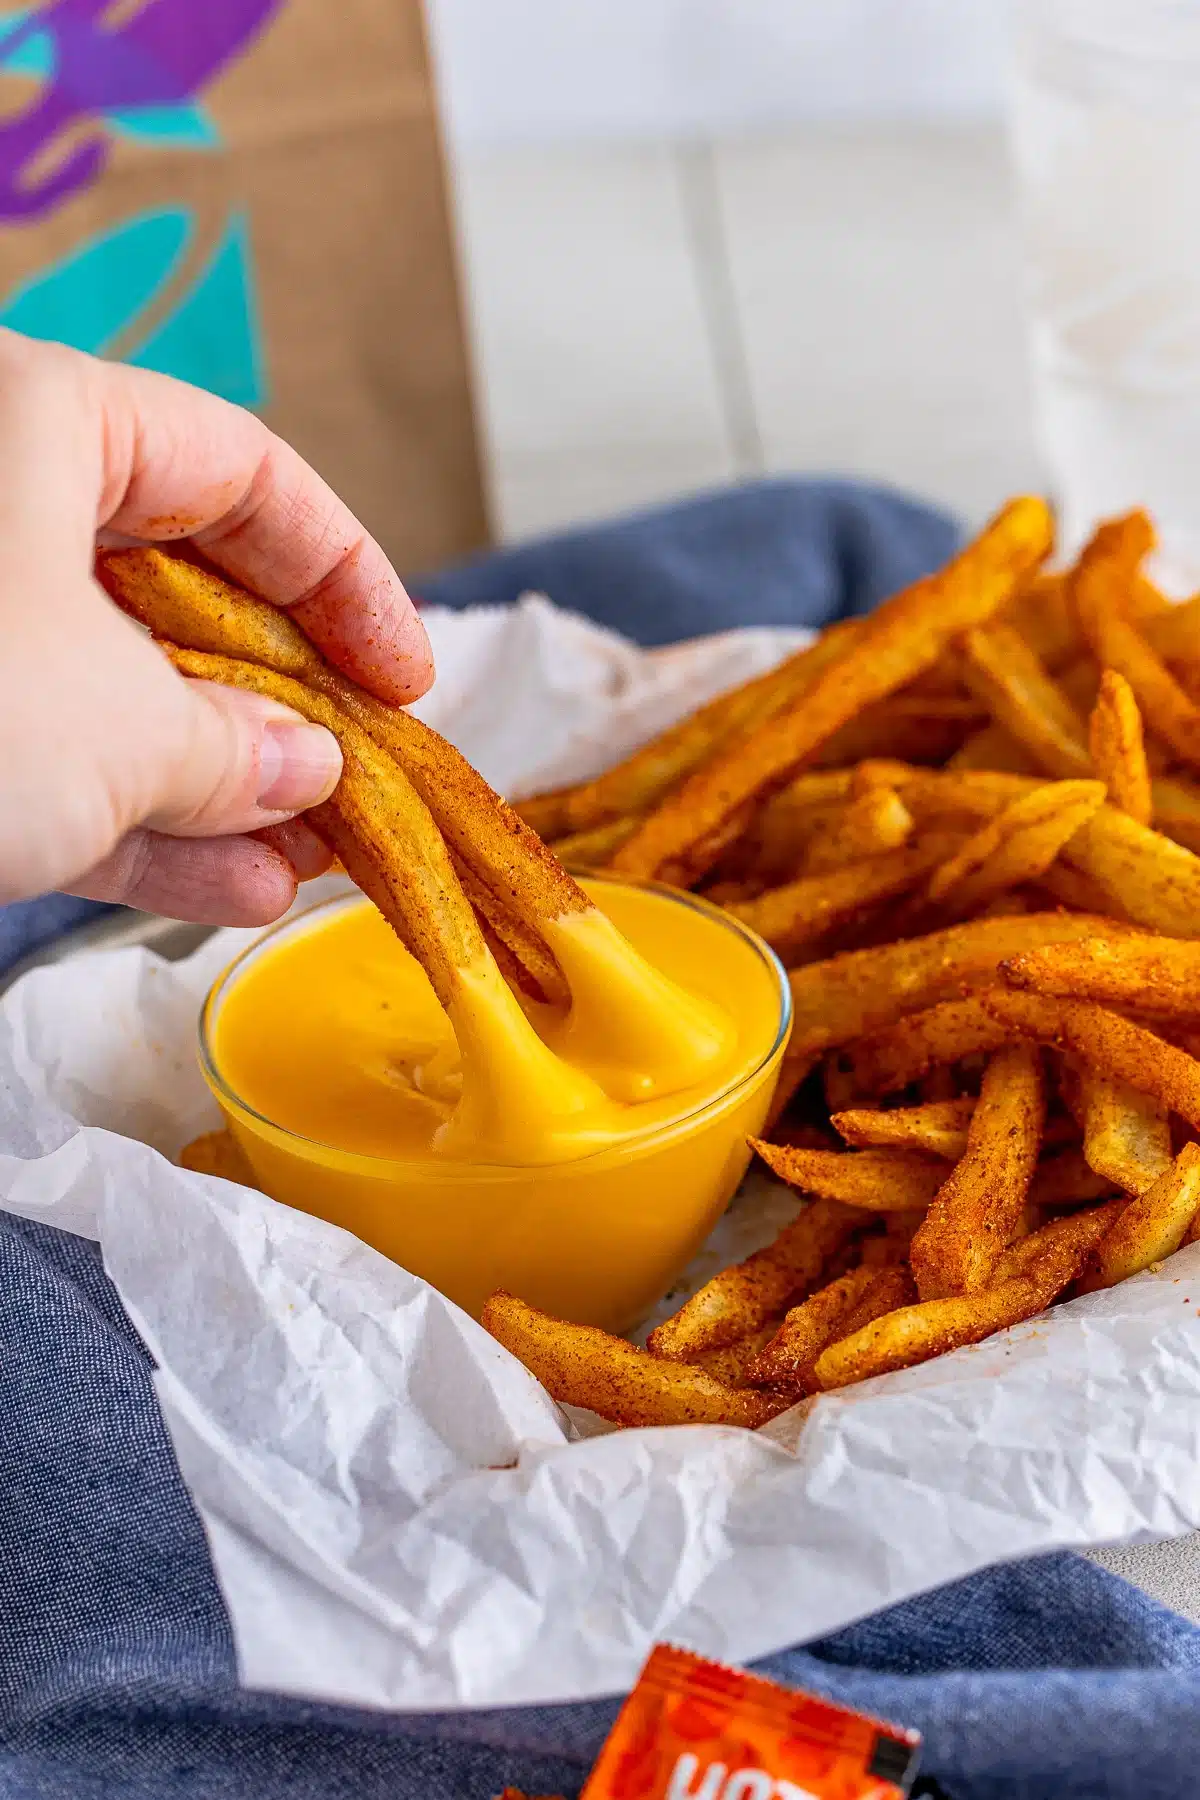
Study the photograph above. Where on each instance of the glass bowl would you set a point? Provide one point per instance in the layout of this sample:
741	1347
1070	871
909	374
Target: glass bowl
597	1240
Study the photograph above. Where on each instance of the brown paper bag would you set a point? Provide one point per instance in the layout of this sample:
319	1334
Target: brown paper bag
250	194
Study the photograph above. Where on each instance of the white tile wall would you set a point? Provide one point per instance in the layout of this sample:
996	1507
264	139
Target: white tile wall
653	319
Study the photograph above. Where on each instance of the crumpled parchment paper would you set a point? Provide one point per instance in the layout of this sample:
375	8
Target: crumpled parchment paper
398	1515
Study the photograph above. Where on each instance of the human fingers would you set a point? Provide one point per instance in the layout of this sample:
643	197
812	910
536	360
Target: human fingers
299	845
242	762
168	461
207	881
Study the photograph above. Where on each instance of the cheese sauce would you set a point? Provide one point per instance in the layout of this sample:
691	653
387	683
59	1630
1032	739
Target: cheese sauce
334	1033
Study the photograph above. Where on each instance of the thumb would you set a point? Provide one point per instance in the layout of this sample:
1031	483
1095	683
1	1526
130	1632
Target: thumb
244	762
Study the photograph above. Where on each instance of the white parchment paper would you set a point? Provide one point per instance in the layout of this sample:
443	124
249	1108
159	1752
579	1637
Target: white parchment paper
398	1515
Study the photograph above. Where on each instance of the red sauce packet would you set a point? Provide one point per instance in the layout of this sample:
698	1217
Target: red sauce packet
695	1730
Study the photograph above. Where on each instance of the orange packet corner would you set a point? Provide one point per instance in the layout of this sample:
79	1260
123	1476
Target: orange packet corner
695	1730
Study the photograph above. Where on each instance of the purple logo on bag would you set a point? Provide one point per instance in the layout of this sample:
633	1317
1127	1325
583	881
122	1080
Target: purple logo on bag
107	56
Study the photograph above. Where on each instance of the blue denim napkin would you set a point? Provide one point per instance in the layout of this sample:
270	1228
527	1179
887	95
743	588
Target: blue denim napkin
1046	1680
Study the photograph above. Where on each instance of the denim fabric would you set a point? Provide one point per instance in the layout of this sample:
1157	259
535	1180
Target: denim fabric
782	552
1047	1680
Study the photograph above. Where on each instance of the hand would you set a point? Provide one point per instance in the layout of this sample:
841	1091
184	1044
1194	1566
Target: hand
118	779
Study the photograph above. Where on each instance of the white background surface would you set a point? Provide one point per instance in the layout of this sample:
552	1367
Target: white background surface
533	71
712	239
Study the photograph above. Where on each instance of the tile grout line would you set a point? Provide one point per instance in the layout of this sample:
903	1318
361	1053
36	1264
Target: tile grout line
708	244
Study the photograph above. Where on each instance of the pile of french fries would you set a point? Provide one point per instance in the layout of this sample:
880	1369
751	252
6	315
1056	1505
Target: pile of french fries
970	825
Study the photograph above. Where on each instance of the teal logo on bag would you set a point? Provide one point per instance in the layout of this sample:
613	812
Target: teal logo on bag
152	290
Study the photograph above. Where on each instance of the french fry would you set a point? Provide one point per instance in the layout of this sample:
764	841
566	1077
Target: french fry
904	637
938	1128
1041	612
743	1297
1003	671
1151	1227
889	1060
1112	1044
994	749
1126	1135
875	1180
1118	748
1064	1244
867	990
1017	846
891	1245
218	1153
1031	1274
592	849
873	821
787	1358
378	824
915	1334
579	1365
802	911
1142	974
974	1213
732	1365
198	612
1176	808
1153	881
1174	632
1099	586
635	785
894	1287
1067	1179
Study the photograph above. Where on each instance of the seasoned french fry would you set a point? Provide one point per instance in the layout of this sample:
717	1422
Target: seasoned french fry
1064	1243
802	911
1003	671
1174	632
866	990
1067	1179
1176	807
1110	1043
1126	1135
876	1180
1041	612
582	1366
975	1212
939	1128
1031	1273
732	1365
994	748
1155	882
889	1060
1099	586
591	849
1017	846
1118	748
1140	974
874	820
199	612
904	637
894	1287
787	1358
1151	1227
914	1334
742	1298
636	784
218	1153
378	825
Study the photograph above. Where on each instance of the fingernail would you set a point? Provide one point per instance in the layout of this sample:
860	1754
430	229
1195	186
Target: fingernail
299	766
